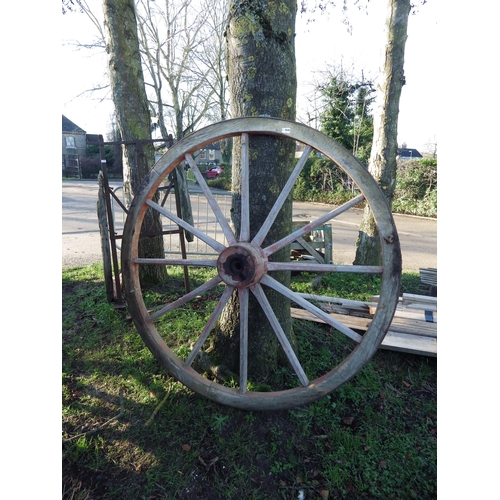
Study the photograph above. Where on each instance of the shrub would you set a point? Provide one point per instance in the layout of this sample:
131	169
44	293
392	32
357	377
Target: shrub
416	187
90	167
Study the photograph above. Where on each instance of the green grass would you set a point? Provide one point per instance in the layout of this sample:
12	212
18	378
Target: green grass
373	438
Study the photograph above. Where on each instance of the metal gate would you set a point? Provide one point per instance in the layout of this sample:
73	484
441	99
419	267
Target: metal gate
174	238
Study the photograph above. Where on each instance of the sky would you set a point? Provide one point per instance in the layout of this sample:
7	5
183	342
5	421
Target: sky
321	43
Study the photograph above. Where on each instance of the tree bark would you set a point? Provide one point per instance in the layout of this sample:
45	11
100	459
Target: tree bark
262	81
133	119
382	164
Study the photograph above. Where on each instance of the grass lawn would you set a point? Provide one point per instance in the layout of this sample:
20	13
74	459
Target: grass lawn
131	432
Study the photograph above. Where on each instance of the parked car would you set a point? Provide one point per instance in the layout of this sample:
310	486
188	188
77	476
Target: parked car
212	172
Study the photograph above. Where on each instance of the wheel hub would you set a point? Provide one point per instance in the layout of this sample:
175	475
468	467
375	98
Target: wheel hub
241	265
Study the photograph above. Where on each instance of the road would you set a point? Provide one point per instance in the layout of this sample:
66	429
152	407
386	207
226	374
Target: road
81	239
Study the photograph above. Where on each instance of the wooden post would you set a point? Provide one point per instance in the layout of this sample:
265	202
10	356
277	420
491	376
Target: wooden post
103	229
328	242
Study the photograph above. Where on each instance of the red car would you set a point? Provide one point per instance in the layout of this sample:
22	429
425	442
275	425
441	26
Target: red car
212	172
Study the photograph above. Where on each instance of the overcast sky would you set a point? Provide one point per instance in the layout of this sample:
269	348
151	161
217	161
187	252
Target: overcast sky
321	43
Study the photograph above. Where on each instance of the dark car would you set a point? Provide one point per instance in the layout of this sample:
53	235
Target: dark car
212	172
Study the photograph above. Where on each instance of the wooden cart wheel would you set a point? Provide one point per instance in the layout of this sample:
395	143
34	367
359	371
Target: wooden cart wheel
233	255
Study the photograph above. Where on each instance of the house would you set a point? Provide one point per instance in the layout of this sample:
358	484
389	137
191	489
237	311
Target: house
74	146
405	153
209	155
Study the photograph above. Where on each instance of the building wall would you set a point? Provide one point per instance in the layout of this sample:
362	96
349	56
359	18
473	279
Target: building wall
74	146
76	139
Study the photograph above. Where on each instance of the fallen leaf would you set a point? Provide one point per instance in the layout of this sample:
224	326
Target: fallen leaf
186	447
382	463
324	493
367	448
406	383
348	420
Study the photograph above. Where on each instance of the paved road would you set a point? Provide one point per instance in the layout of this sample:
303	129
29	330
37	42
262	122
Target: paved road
81	240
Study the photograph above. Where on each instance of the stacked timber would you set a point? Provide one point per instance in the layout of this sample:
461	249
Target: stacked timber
413	328
428	280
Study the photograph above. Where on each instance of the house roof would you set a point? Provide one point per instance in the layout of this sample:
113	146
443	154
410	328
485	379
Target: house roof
69	126
409	153
92	138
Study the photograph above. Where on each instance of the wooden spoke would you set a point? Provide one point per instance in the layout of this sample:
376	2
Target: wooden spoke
210	324
186	298
278	330
243	298
262	233
226	229
271	282
219	247
322	268
245	193
309	227
177	262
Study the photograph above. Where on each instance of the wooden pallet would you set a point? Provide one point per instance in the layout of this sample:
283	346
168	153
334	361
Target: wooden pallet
413	328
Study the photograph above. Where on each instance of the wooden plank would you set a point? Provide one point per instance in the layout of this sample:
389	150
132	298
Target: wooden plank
414	344
347	304
410	313
428	275
105	246
401	325
412	301
354	322
416	340
357	307
414	326
419	299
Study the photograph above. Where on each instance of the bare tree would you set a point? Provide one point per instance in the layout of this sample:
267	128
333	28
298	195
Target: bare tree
170	37
214	57
172	41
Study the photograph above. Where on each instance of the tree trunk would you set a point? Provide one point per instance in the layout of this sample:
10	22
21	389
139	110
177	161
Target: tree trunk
382	164
133	119
262	80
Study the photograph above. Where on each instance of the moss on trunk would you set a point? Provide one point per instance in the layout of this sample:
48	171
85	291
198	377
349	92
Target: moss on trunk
382	164
262	80
133	119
